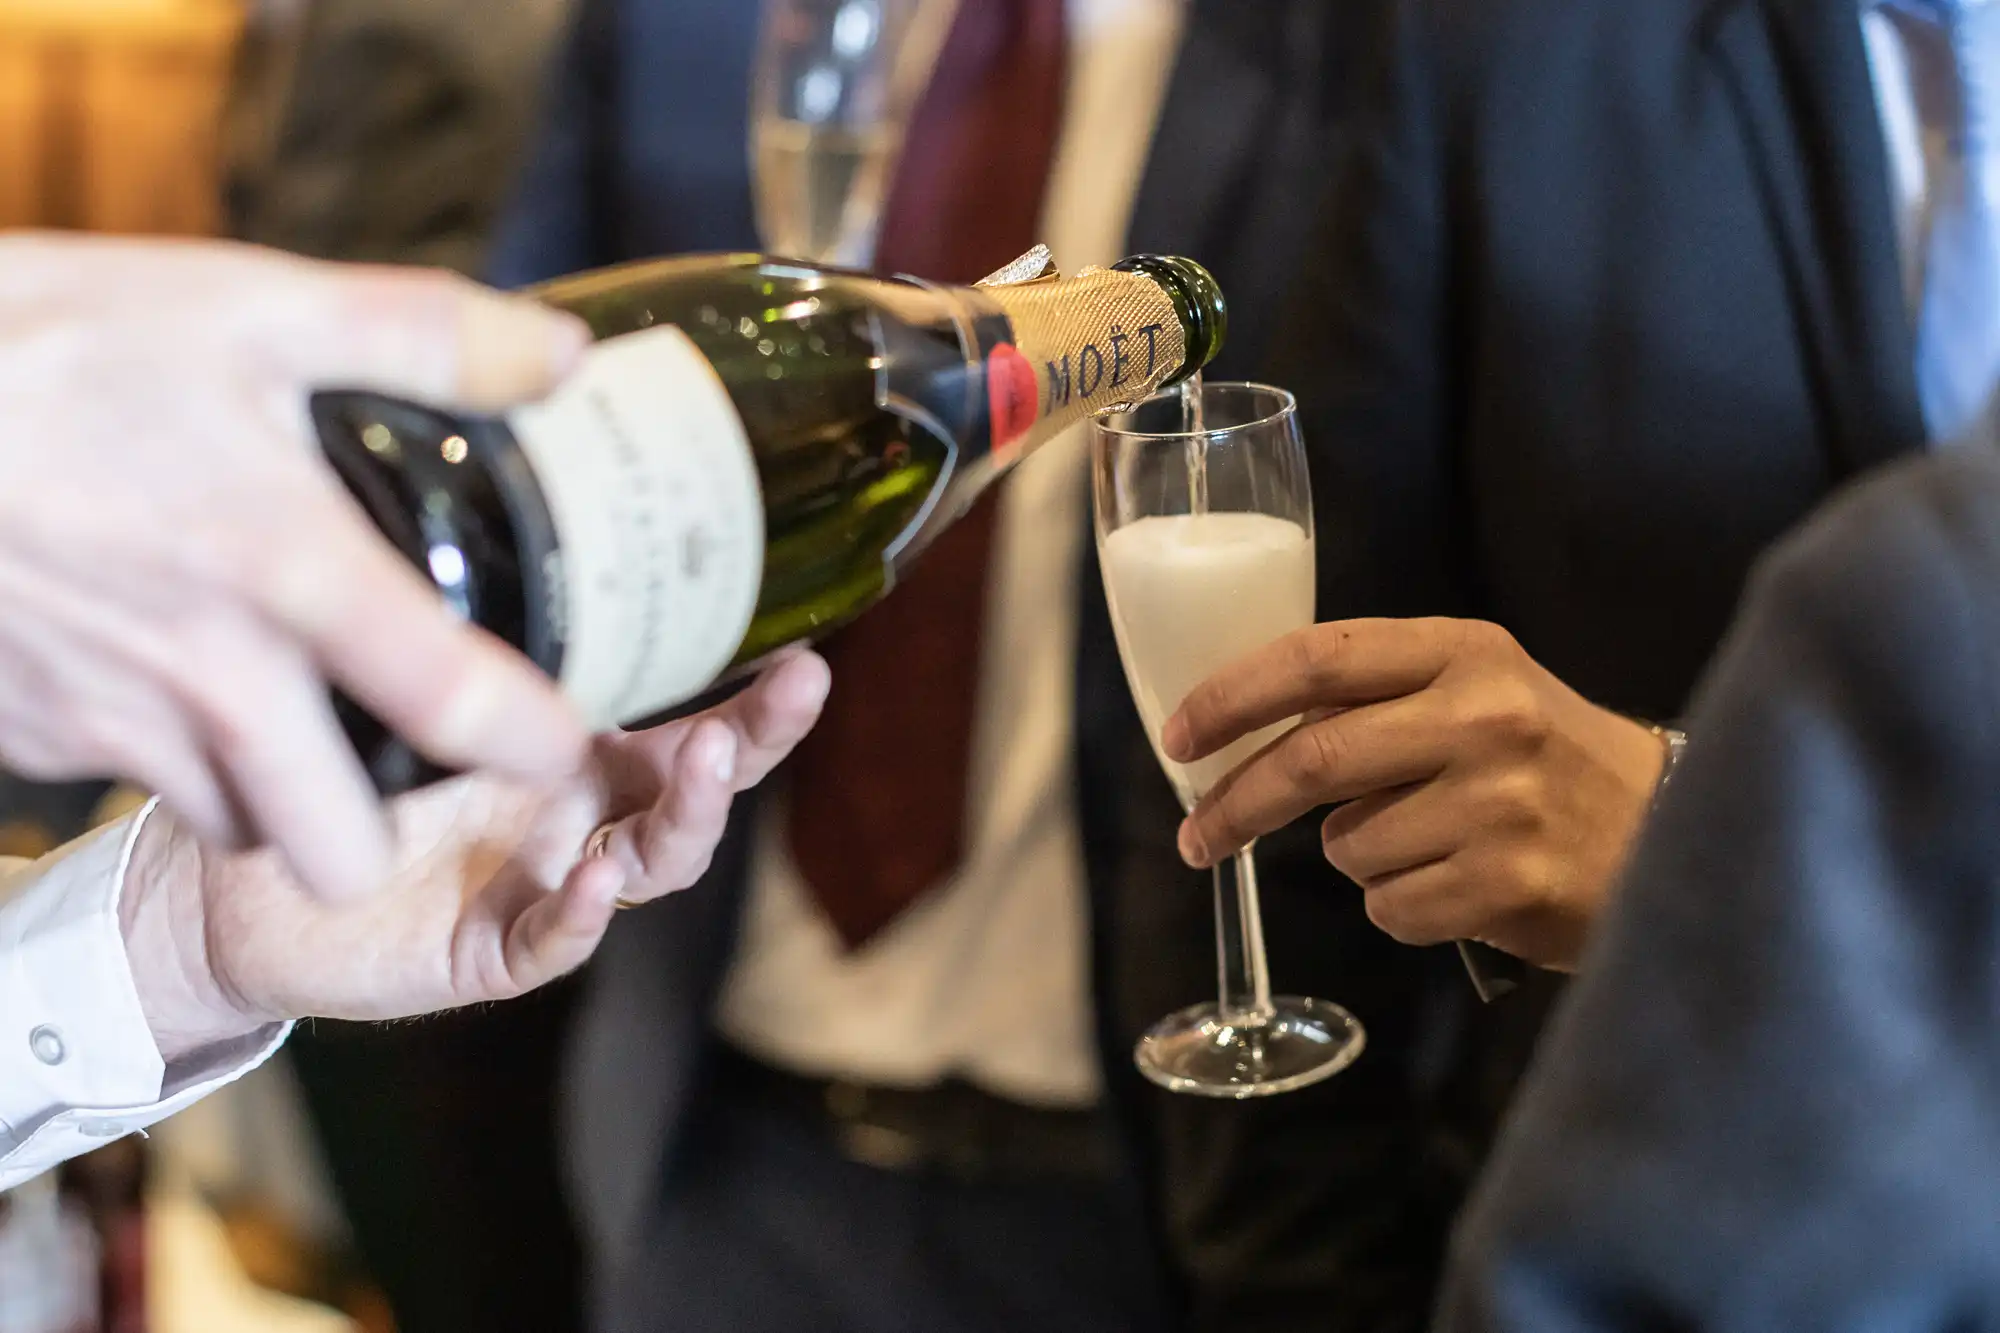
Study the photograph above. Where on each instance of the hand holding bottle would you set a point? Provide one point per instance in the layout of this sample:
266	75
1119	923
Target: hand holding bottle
182	579
491	893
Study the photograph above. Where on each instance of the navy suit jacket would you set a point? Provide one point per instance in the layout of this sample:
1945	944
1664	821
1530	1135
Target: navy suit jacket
1771	1103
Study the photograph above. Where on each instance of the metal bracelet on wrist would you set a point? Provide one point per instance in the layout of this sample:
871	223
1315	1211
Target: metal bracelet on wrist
1674	743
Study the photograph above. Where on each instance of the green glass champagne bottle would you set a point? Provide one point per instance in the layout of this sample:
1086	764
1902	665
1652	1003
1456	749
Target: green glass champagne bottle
748	457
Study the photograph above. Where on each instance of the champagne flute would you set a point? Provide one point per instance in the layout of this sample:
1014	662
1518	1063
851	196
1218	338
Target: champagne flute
1205	537
835	84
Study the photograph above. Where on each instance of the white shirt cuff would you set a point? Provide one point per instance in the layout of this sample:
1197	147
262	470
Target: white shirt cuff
78	1064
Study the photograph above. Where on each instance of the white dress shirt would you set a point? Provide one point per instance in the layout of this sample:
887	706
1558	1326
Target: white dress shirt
987	976
1900	54
78	1065
1913	75
1921	106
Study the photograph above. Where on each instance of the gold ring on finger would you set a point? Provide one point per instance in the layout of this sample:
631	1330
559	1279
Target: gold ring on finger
599	844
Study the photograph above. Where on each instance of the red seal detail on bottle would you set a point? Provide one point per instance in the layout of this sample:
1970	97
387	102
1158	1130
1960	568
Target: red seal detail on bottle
1012	395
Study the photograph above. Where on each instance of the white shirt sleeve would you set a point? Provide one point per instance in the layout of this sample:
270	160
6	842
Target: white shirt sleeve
78	1064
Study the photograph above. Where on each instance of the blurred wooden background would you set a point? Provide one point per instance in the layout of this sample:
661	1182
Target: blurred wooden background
111	113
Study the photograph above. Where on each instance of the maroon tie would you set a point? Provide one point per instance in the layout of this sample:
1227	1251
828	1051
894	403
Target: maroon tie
879	788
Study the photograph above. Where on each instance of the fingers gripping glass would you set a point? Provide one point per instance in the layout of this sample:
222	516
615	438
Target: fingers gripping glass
1205	534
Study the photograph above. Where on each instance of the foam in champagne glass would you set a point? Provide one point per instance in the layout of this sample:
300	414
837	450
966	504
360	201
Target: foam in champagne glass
1190	593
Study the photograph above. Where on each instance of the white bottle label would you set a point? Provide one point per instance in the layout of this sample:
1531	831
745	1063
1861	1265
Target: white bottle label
659	518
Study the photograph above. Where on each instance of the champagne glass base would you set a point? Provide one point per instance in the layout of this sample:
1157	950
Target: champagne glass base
1200	1051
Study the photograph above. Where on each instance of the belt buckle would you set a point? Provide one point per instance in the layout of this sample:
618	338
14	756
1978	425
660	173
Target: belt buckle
866	1141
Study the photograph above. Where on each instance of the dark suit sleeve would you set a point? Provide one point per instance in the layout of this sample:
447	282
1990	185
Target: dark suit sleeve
548	226
1773	1101
393	129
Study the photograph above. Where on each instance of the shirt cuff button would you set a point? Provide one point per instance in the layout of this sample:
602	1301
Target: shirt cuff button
47	1044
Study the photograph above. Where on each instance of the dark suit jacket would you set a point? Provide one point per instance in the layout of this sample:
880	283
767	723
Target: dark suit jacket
384	130
645	155
1608	298
1772	1101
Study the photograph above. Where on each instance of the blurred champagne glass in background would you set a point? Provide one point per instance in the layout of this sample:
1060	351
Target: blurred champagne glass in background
835	85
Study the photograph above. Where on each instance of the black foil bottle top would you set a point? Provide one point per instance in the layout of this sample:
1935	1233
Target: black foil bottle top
1198	300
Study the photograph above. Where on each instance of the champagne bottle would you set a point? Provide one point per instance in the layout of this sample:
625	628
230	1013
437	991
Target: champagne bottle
750	454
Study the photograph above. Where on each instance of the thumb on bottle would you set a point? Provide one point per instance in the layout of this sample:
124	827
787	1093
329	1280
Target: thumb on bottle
433	338
512	349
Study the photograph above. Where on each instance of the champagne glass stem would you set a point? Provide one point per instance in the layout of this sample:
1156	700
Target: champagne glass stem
1243	976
